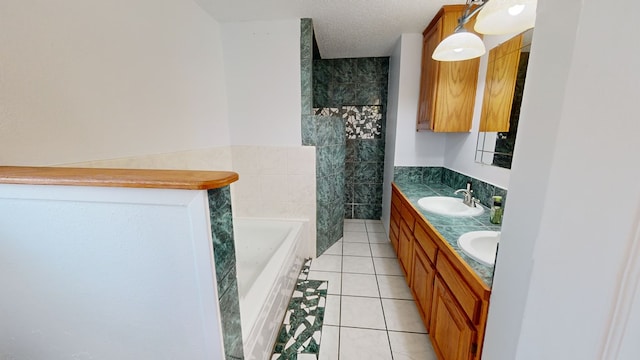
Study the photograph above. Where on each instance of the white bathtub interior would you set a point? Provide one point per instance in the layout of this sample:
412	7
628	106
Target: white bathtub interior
269	255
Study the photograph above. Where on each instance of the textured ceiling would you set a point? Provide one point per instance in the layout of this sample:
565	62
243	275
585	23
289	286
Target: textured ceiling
346	28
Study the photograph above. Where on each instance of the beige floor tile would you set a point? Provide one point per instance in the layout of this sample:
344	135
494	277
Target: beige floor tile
375	227
379	238
360	285
332	310
357	264
355	236
329	343
327	263
382	250
356	249
357	344
335	249
402	315
409	346
362	312
387	266
394	287
355	226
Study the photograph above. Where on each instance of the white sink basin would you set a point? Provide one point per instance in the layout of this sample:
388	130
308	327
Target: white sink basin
480	245
451	206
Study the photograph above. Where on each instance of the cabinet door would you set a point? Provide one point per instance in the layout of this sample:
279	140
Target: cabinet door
428	78
405	250
452	335
502	73
447	88
394	227
422	278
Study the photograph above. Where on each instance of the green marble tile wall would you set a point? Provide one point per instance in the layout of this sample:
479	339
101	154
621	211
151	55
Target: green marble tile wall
224	254
433	175
330	178
326	133
359	85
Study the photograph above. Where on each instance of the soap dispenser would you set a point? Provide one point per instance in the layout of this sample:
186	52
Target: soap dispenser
496	210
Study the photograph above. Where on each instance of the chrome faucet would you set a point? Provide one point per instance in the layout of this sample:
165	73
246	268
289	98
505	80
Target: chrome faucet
469	200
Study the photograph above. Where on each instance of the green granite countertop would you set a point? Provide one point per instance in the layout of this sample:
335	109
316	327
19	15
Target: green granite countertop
451	227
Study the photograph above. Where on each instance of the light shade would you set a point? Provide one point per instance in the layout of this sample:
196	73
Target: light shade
461	45
506	17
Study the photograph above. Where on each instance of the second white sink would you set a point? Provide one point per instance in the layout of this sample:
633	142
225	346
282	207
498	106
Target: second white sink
451	206
480	245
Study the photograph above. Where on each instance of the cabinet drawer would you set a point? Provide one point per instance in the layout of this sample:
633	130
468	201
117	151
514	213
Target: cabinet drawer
470	303
407	214
427	243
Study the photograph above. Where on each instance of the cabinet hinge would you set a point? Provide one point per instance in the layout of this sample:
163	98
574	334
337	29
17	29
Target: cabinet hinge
474	348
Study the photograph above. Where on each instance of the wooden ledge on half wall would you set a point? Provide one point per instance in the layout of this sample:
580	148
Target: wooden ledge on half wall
129	178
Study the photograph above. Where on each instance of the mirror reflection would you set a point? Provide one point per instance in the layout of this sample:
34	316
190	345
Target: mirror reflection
506	72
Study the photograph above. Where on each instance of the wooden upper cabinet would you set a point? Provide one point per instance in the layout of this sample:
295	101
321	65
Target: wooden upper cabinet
502	73
447	89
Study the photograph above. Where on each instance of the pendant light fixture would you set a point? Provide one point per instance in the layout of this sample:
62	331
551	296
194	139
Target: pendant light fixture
506	17
495	17
461	45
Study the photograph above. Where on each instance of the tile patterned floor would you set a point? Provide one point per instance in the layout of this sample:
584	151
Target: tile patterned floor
300	334
369	311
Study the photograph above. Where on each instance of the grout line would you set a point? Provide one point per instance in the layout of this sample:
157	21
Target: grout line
362	296
384	315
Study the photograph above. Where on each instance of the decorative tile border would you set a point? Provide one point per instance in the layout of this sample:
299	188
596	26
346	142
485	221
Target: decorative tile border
326	111
301	331
363	122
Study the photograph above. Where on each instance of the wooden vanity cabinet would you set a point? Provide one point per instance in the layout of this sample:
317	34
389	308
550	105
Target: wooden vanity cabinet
447	89
453	337
452	300
422	277
394	221
406	239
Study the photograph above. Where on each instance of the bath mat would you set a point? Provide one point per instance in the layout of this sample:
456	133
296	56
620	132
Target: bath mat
300	334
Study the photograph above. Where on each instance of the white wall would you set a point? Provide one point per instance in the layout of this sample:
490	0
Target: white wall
391	128
98	80
213	159
413	148
568	254
262	64
106	273
405	146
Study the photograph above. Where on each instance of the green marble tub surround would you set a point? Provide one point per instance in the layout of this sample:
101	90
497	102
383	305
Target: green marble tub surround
224	254
450	228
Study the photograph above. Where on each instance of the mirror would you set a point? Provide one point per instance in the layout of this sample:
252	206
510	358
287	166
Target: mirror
506	71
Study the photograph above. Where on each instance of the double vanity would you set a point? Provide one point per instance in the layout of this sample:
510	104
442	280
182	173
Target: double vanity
444	249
